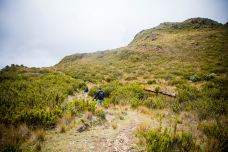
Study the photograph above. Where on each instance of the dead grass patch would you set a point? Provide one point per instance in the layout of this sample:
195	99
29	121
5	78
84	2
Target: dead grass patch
144	110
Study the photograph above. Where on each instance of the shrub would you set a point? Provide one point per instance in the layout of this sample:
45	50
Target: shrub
157	140
154	103
100	114
67	118
43	118
157	89
93	91
177	82
127	94
194	78
176	107
106	103
151	81
187	93
76	106
217	134
62	128
109	79
186	142
29	96
12	148
136	102
109	88
142	128
129	78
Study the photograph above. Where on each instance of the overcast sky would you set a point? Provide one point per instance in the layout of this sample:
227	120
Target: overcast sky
41	32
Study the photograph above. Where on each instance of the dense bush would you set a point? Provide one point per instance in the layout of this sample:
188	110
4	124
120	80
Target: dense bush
127	94
109	88
93	91
187	93
135	102
217	134
158	140
77	106
154	103
33	99
12	148
100	114
151	82
209	101
42	118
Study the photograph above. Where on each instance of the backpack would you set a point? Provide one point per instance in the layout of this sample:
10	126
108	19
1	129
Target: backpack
86	89
101	95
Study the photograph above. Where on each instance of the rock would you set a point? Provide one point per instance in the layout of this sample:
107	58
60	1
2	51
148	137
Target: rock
82	128
110	144
194	78
121	140
210	76
85	126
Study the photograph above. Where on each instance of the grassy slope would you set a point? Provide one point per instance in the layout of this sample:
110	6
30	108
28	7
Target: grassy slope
164	52
27	93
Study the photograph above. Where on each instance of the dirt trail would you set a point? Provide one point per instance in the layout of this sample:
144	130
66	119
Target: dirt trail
102	138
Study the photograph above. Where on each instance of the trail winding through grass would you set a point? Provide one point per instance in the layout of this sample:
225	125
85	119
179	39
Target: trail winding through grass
101	138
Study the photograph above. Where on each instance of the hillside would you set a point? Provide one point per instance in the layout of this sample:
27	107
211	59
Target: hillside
41	108
170	51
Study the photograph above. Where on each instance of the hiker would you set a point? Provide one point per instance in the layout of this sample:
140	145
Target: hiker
86	90
99	96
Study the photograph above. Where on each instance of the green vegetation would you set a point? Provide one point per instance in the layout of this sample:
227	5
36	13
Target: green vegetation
167	139
33	98
163	141
76	106
217	134
189	58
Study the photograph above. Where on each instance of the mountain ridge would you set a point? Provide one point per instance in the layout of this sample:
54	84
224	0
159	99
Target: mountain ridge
152	33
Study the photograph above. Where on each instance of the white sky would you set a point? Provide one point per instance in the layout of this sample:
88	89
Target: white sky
41	32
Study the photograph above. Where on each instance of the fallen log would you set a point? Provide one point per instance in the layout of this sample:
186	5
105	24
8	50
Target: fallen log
161	92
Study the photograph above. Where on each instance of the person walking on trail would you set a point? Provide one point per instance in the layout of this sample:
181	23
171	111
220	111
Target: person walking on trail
86	90
99	96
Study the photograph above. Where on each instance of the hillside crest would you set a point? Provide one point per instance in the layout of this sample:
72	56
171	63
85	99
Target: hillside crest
153	33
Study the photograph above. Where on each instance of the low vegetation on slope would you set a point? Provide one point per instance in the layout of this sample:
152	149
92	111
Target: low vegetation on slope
33	96
189	58
163	52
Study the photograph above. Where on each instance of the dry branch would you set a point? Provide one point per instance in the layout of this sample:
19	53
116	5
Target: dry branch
161	92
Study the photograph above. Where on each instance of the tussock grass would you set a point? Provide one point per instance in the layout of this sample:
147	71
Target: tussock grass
12	137
38	146
39	135
144	110
114	125
24	131
62	128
